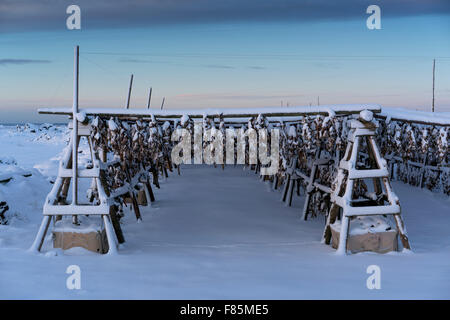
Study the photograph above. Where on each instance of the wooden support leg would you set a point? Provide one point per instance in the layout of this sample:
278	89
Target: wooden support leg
112	244
275	182
116	224
137	212
331	218
286	187
291	191
39	240
343	236
310	187
169	164
306	206
155	178
146	193
150	191
401	230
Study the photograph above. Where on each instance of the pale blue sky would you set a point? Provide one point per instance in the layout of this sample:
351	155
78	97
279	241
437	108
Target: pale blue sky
228	64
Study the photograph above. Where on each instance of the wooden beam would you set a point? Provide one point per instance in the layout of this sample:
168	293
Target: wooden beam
75	126
129	92
227	113
149	98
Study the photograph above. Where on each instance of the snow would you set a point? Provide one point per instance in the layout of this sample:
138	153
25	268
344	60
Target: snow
331	110
366	115
81	116
112	125
366	224
442	118
86	225
211	234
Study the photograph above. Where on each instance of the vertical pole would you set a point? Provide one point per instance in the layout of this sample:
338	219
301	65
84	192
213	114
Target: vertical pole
434	69
75	126
162	104
149	98
129	92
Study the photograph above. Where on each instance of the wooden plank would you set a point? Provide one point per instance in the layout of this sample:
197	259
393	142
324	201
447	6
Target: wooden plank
226	113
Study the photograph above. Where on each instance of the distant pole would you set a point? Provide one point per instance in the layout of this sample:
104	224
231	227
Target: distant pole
75	125
434	70
162	104
149	98
318	101
129	92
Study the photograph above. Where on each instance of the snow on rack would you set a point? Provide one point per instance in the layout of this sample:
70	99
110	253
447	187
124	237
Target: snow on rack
440	118
366	224
330	110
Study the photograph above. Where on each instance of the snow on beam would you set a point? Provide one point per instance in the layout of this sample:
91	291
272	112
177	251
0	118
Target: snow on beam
414	116
329	110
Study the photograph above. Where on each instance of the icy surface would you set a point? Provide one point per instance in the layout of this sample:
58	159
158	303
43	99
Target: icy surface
213	234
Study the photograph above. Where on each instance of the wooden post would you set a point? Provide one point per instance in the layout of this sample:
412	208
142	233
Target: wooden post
129	92
310	187
149	98
150	191
434	69
75	126
286	187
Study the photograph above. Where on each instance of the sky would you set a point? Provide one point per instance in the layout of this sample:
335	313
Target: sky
218	54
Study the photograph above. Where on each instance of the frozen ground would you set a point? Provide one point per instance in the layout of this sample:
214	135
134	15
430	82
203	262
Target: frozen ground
213	234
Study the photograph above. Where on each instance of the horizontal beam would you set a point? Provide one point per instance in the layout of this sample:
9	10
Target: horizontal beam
445	122
226	112
70	210
415	116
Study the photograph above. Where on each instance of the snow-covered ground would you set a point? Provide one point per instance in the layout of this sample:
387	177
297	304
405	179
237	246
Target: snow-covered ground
211	234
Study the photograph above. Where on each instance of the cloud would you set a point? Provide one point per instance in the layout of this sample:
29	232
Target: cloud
4	62
235	96
28	15
208	66
256	67
131	60
218	66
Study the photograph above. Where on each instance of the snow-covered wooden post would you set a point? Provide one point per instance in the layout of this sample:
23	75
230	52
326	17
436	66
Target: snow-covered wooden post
348	174
75	129
149	98
129	92
55	203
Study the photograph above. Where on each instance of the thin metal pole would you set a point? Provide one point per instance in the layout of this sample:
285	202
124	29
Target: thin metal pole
75	126
129	92
434	69
149	98
162	104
